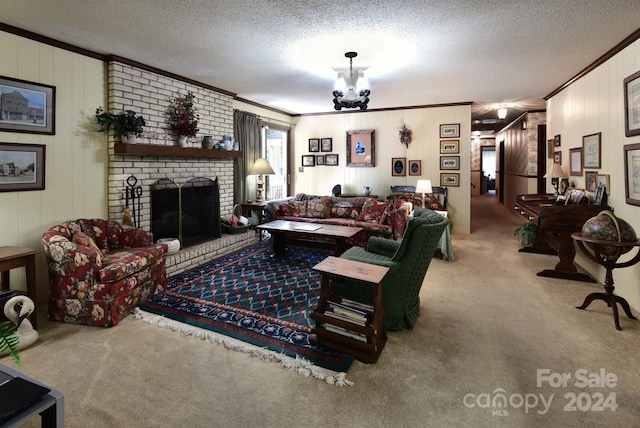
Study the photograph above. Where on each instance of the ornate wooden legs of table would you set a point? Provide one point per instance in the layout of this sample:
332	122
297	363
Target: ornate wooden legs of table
606	253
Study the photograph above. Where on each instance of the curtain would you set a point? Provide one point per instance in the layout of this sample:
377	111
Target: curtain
246	130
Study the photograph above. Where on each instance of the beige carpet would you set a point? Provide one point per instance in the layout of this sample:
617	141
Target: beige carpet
488	323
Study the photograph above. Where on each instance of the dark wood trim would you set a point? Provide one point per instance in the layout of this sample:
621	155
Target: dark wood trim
115	58
49	41
253	103
173	151
385	109
604	58
520	175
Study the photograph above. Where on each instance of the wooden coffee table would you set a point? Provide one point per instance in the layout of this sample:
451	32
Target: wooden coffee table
280	229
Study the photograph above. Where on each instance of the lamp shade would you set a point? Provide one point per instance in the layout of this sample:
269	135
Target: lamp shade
424	186
555	171
261	167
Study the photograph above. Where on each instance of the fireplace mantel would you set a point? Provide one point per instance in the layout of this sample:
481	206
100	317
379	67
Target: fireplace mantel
173	151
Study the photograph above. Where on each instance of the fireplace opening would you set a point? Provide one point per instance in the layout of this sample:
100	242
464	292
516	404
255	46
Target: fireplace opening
190	212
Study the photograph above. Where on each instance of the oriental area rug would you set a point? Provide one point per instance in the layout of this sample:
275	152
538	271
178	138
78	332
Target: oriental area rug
252	302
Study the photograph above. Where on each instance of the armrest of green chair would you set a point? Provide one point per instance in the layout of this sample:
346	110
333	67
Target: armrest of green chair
382	246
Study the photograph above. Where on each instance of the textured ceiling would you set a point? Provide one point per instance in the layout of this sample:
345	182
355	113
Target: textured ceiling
283	54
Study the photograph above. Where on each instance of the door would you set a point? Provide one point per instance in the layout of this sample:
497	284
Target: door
275	145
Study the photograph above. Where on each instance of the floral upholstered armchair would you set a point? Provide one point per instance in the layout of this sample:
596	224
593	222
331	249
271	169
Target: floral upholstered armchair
99	270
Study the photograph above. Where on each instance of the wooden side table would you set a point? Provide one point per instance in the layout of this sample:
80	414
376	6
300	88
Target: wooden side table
253	206
606	253
15	257
374	330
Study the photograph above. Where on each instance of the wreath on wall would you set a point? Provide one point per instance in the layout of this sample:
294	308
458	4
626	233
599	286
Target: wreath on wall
405	135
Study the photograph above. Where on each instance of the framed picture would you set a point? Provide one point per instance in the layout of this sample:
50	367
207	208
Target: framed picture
450	130
32	106
331	160
600	196
449	147
450	162
361	148
575	161
415	167
632	173
314	145
590	181
591	151
22	166
574	196
398	166
603	180
632	105
326	144
550	149
308	160
564	185
319	159
451	179
557	157
556	140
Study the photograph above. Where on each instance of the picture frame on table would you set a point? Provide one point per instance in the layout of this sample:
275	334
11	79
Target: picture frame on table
361	148
326	144
591	151
415	167
331	160
308	160
600	198
632	105
450	130
449	147
35	106
449	162
575	161
590	180
632	173
450	179
574	196
23	167
398	167
564	185
314	144
603	180
319	159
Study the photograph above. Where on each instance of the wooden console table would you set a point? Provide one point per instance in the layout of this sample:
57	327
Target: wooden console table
15	257
374	331
606	253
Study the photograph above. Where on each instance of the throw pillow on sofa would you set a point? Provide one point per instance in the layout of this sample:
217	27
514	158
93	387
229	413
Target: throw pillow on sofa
373	212
344	209
319	207
297	208
81	238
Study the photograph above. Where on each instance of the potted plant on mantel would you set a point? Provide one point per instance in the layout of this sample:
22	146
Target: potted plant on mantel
126	125
183	118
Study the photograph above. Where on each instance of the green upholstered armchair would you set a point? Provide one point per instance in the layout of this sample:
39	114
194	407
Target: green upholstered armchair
407	260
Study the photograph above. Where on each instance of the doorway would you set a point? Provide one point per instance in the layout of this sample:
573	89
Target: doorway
275	146
488	169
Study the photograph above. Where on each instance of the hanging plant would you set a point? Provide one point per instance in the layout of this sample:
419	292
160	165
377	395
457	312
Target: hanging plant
183	116
405	135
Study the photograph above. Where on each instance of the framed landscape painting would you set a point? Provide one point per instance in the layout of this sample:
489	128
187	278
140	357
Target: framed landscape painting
632	105
22	167
27	106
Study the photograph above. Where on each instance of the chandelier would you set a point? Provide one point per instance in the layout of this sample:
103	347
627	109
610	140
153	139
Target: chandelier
351	91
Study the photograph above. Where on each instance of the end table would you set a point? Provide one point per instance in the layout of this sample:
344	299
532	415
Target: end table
253	206
15	257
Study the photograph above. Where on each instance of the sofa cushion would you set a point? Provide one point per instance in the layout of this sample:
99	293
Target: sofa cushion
120	264
319	207
373	212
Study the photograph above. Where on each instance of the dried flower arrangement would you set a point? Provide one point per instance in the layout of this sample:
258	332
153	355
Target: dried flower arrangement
405	135
182	115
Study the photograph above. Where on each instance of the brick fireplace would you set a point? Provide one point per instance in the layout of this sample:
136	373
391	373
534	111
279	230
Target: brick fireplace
135	87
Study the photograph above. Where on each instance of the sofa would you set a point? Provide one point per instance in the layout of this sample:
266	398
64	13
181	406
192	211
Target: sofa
100	270
377	218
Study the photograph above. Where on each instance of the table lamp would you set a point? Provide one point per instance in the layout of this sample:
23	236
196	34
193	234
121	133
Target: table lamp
260	167
555	173
424	186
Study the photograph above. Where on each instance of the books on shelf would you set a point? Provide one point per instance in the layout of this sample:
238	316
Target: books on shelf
339	316
357	305
344	332
354	315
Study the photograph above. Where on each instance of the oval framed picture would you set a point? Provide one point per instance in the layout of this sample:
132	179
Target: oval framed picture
398	167
415	167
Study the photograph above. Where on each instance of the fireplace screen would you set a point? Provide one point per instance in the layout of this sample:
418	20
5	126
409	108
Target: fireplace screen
190	212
